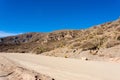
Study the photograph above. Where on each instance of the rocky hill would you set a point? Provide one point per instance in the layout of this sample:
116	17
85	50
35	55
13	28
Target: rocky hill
94	39
32	42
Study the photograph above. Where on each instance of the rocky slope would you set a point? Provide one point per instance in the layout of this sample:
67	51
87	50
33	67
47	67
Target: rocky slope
60	43
36	42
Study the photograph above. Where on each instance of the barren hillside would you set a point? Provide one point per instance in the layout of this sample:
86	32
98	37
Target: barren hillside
90	43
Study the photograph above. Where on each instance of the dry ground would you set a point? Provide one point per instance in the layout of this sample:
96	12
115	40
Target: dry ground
10	70
67	69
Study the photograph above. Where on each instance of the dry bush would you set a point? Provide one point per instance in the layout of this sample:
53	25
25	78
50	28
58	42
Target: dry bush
118	38
111	43
74	45
40	50
92	44
118	28
66	56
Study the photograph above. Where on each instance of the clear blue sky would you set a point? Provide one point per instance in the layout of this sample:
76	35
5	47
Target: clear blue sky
19	16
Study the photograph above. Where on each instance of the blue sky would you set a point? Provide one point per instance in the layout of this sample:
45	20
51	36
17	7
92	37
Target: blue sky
21	16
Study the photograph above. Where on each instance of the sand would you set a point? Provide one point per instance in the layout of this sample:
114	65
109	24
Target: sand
67	69
1	76
10	70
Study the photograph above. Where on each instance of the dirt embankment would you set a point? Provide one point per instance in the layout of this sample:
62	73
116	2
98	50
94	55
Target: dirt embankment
12	71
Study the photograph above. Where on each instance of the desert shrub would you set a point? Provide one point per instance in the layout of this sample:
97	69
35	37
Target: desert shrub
92	44
40	50
112	43
62	44
118	29
74	45
66	56
118	38
90	36
89	46
99	31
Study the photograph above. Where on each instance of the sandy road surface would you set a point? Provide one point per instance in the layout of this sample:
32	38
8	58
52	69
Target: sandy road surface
1	76
68	69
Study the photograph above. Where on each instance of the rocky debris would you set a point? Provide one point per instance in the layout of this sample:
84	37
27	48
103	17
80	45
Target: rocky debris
84	58
117	59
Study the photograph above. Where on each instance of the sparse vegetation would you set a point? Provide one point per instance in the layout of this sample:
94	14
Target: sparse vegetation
112	43
66	56
101	36
40	50
118	38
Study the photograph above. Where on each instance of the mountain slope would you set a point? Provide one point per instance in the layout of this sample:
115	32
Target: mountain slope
28	41
98	37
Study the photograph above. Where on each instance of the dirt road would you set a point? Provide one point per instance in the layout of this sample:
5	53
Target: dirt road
2	76
68	69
